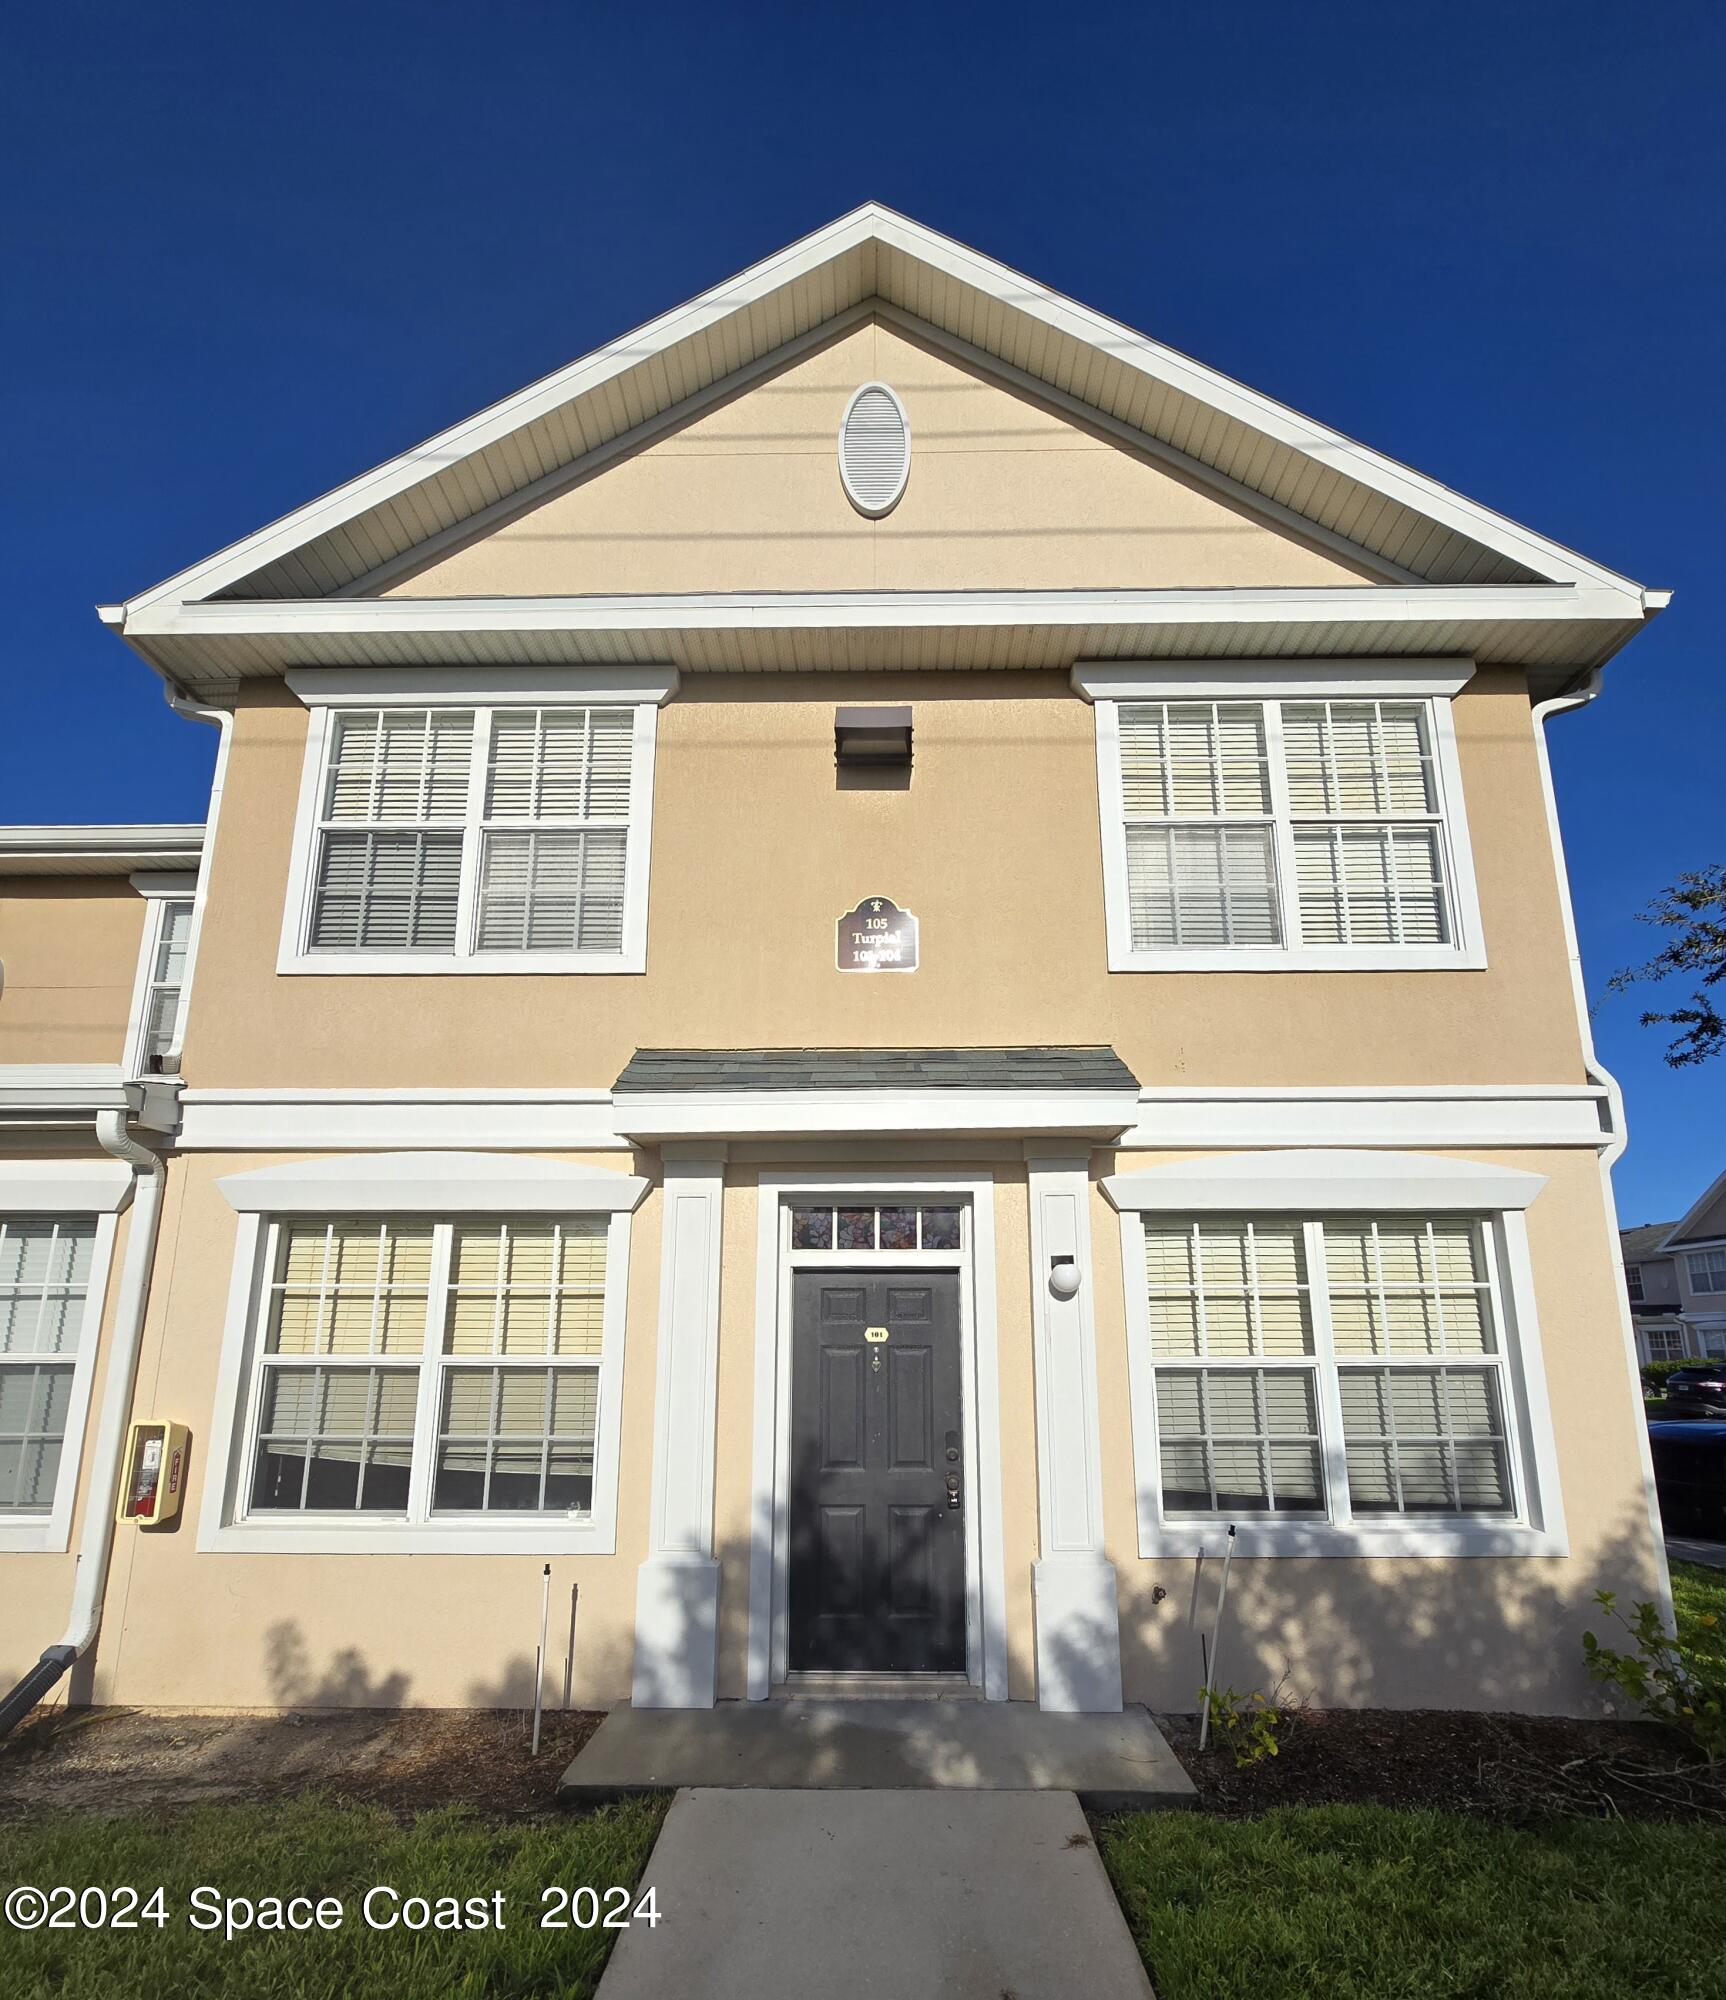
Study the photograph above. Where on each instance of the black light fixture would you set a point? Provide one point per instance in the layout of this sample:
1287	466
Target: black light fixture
877	739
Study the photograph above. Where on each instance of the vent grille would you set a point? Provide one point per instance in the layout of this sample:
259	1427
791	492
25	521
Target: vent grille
875	449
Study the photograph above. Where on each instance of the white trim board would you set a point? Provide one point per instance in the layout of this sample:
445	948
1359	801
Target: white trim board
1371	1115
985	1555
650	1116
440	1184
69	1187
1322	1181
482	687
285	1120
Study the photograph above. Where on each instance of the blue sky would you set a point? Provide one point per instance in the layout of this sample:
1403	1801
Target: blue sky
252	251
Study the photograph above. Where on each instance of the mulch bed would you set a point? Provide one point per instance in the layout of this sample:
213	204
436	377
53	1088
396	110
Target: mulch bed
407	1761
1514	1768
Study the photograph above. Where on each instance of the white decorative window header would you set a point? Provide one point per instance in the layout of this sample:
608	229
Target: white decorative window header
431	1184
874	449
1313	1181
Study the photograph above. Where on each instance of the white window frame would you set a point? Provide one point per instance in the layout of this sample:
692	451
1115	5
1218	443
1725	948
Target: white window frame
328	691
1310	1186
1696	1261
159	889
1433	683
440	1187
1633	1284
76	1189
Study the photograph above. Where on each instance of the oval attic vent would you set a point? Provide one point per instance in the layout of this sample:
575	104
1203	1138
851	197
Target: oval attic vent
874	449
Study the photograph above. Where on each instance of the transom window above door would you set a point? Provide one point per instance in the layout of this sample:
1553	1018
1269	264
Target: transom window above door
1320	829
882	1226
483	836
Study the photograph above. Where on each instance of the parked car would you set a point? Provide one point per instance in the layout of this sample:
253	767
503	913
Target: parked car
1697	1392
1690	1477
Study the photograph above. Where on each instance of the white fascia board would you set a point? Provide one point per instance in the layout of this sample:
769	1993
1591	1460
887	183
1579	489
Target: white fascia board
650	1116
451	687
993	282
1673	1240
1263	414
289	1120
933	610
77	1090
1311	1182
64	1187
1309	680
1214	1116
430	1184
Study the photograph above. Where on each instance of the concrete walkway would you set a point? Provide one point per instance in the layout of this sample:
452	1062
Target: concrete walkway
877	1895
1112	1762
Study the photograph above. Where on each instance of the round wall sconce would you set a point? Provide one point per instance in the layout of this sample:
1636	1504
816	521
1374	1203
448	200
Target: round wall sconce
1064	1278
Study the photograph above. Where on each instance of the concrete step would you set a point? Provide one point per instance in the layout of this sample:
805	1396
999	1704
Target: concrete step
1113	1762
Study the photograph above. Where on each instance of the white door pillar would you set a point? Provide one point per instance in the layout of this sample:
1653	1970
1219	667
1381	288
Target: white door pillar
1073	1582
677	1587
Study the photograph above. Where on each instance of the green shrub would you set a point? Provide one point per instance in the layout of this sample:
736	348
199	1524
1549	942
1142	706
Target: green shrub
1654	1373
1668	1682
1245	1724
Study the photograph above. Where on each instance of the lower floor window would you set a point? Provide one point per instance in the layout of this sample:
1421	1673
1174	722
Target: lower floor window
413	1368
1665	1343
44	1287
1388	1395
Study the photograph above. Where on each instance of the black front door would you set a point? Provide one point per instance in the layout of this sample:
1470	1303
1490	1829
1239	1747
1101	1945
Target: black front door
878	1478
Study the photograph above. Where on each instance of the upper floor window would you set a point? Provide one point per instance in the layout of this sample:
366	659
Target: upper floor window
509	836
1708	1271
1246	834
1633	1280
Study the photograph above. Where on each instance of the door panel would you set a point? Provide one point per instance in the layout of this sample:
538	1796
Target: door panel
877	1571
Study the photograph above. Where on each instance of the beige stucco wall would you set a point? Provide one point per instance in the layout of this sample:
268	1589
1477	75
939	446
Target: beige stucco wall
995	845
1415	1633
222	1629
1004	493
69	948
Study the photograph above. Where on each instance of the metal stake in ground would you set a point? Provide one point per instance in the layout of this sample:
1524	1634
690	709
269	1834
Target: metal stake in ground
1216	1637
541	1655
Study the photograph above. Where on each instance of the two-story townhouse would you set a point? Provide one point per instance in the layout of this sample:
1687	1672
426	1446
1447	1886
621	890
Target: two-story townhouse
1696	1250
863	967
1651	1281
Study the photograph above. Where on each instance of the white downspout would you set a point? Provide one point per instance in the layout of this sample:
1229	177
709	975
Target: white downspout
223	718
1617	1137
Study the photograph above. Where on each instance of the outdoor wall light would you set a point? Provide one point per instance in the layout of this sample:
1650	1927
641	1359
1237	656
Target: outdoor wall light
876	739
1064	1277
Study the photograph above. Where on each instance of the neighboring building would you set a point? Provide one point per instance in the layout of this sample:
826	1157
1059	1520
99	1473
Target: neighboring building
1675	1274
1098	1058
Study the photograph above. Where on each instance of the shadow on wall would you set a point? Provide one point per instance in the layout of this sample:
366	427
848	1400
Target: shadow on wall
585	1666
1411	1632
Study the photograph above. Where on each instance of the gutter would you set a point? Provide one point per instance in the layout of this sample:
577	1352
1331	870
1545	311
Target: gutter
96	1542
1581	693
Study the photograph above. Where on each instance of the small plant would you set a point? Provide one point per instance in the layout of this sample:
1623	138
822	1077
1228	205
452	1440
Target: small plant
1687	1691
1655	1373
1247	1724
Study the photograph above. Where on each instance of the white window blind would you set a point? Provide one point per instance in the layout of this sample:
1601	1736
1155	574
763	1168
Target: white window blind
1349	1367
1708	1271
44	1291
1282	824
420	1369
457	833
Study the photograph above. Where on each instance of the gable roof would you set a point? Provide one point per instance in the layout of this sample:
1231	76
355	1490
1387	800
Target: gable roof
874	258
1644	1240
1689	1230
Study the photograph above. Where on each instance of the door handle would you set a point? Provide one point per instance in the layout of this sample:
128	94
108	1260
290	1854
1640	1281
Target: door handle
952	1490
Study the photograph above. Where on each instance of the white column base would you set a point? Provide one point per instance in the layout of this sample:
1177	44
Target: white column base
676	1633
1078	1635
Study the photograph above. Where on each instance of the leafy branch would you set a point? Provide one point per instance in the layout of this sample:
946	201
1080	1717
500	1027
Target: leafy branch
1694	908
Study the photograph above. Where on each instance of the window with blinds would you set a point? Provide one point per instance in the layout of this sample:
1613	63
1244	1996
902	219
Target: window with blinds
1346	1369
163	984
45	1265
423	1369
472	833
1281	825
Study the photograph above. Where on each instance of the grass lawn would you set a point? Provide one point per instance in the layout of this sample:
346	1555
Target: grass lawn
1697	1593
311	1848
1367	1903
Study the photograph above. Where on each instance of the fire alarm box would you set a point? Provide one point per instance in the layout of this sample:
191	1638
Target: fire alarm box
155	1474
